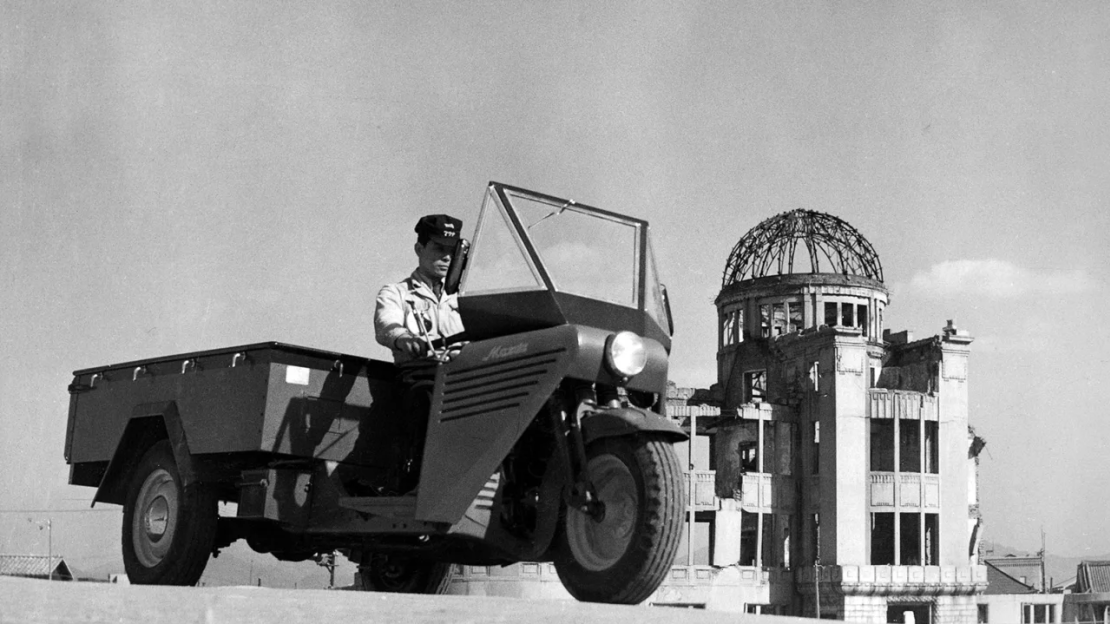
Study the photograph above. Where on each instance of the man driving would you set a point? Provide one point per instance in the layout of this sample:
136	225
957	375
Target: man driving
416	311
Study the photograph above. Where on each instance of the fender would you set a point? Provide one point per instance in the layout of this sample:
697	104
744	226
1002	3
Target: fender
622	421
149	423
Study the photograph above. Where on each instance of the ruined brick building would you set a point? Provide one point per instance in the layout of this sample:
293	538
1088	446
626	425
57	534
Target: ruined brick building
844	467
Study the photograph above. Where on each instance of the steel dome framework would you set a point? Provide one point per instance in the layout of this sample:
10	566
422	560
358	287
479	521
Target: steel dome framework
831	244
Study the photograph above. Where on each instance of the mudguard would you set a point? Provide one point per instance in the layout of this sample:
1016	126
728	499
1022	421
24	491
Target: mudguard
149	423
622	421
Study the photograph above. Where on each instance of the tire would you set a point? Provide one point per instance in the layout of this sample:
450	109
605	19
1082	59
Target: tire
168	530
623	556
402	575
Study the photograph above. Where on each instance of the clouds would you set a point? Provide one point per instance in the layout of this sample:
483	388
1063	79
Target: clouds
998	279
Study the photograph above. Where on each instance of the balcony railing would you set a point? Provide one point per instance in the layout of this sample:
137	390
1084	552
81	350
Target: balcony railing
915	580
906	490
766	493
705	499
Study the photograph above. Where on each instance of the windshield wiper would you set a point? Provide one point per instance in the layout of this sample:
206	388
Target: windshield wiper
553	213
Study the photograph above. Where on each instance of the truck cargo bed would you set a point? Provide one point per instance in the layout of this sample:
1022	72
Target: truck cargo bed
266	397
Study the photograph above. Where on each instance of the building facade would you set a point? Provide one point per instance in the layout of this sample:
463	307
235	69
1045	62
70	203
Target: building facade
843	461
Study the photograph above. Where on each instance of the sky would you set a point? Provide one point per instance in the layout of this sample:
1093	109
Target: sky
183	177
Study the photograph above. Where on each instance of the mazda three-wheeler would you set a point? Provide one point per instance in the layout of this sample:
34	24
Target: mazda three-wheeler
541	430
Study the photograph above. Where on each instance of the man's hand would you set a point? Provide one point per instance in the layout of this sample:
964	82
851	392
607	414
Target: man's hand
454	350
412	345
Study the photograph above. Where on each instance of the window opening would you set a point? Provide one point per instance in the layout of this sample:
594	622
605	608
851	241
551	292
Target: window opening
765	320
786	542
910	538
755	385
816	459
909	442
749	525
906	613
861	318
778	319
848	317
830	313
882	538
983	613
932	450
795	316
1038	613
703	543
748	447
882	445
932	539
769	454
728	328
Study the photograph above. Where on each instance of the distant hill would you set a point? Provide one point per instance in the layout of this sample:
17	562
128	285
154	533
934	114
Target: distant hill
1059	569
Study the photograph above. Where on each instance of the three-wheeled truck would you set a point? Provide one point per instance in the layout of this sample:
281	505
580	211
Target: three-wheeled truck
542	439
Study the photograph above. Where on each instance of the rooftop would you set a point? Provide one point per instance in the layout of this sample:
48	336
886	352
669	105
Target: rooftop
37	566
828	246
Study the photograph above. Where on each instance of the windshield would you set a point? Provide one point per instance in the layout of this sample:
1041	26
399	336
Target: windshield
527	241
585	253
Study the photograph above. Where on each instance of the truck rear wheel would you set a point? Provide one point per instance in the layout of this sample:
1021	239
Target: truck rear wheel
404	575
168	529
623	553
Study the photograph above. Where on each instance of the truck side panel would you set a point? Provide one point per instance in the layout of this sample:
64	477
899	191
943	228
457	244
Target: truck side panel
274	398
220	406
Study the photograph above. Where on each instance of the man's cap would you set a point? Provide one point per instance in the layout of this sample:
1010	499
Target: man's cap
440	228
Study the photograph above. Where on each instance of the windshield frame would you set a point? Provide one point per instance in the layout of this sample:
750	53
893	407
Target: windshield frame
489	309
505	195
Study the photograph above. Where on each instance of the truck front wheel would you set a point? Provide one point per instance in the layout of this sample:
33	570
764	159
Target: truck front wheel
622	551
168	528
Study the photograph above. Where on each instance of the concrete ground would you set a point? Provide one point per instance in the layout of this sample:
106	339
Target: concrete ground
29	601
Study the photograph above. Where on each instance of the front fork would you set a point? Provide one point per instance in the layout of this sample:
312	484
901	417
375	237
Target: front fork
566	422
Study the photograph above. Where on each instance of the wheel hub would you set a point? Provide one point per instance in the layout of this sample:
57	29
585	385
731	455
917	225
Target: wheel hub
154	522
156	519
599	538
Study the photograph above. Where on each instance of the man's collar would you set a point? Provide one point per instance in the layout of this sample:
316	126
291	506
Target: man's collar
419	279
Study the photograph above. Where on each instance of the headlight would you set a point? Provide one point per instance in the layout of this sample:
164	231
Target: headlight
625	354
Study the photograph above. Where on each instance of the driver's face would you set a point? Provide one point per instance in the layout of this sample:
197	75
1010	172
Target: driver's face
435	258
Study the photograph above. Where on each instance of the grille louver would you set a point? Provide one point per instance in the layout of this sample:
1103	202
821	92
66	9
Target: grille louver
494	387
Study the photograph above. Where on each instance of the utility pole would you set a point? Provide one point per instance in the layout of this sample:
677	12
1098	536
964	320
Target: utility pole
816	589
49	524
690	486
1043	555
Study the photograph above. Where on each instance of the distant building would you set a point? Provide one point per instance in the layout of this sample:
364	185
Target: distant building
35	566
1014	593
1090	602
1028	570
1001	582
